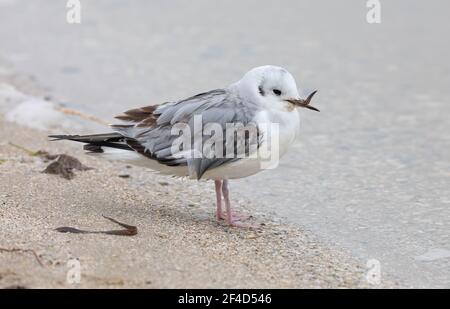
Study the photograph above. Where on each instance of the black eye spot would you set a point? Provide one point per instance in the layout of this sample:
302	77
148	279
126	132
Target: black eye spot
277	92
261	91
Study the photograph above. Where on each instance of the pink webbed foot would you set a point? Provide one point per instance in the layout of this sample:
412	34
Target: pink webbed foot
237	220
234	217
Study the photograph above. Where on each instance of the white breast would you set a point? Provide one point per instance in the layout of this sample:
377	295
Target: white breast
274	146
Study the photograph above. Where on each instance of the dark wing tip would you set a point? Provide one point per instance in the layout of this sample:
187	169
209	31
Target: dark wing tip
60	137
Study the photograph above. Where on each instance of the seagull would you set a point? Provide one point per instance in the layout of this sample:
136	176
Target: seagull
191	137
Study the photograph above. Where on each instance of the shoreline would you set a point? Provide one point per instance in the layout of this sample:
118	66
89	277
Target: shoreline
178	244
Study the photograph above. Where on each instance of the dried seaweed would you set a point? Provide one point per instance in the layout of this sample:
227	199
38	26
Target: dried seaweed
62	165
129	230
28	151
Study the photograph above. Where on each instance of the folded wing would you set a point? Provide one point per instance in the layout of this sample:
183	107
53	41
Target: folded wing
149	130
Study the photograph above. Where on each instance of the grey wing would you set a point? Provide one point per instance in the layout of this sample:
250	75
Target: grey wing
149	130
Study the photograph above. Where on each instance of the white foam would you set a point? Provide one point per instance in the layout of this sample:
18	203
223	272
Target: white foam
38	114
9	96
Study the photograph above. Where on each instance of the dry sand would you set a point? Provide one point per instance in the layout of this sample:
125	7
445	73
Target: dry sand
179	244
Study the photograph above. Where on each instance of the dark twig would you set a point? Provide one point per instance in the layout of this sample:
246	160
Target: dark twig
13	250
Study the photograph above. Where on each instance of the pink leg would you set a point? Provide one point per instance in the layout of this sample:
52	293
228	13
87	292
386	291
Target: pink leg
226	198
230	218
218	185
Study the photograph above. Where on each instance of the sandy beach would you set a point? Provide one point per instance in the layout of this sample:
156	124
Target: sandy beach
367	179
179	244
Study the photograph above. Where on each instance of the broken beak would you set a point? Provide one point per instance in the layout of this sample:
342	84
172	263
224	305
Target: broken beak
304	103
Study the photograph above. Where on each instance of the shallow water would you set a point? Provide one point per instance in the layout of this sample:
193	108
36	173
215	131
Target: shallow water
370	173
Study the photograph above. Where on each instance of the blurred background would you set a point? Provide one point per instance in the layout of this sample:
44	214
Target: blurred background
369	174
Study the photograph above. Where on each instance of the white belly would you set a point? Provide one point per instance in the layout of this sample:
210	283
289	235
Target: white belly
269	153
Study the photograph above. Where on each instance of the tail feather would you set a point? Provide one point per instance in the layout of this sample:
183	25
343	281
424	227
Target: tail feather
110	137
96	141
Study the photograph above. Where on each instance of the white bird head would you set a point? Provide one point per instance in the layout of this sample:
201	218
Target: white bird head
272	87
